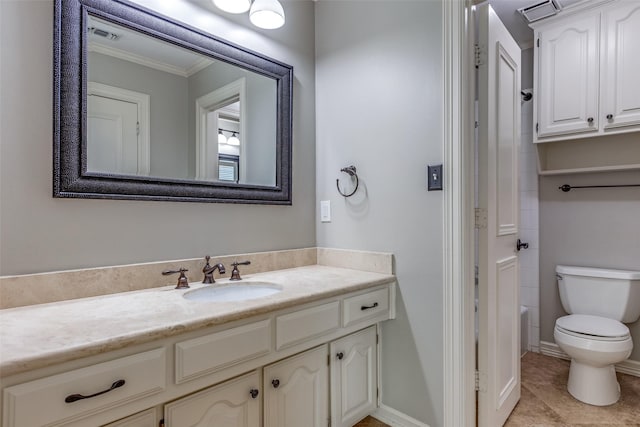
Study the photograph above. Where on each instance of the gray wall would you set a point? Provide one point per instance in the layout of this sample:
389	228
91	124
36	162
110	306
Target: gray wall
526	58
378	107
40	233
588	227
169	147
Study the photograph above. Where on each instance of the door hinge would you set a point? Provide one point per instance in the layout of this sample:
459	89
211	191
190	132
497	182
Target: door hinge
378	393
481	218
328	360
537	127
538	42
481	382
377	339
138	128
479	55
161	424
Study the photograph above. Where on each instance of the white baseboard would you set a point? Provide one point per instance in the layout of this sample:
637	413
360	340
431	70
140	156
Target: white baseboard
396	418
629	367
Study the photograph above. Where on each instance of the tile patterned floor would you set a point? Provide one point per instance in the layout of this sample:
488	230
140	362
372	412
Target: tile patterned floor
546	402
371	422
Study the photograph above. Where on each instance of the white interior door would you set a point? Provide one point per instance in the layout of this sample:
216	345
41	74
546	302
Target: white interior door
112	135
499	287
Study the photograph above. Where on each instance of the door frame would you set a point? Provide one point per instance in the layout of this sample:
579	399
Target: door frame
459	356
213	101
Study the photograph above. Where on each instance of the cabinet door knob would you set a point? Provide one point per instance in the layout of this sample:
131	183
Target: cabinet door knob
254	393
609	116
590	120
275	383
340	355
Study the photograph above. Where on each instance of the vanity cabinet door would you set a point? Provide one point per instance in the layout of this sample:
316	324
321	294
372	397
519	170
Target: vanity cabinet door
354	377
146	418
296	391
568	79
235	403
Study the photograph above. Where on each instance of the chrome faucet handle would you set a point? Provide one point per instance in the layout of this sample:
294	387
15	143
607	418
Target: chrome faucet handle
183	283
235	273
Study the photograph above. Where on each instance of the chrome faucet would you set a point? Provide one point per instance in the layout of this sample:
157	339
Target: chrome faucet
208	271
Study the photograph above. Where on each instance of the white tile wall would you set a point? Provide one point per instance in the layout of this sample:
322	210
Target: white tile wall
529	226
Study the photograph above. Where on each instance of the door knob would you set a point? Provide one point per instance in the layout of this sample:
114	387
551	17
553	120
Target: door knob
275	383
609	116
521	245
254	393
340	355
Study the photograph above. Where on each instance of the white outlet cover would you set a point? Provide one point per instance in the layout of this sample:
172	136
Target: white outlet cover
325	211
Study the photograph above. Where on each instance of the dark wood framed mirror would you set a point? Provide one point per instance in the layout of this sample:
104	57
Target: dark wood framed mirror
147	108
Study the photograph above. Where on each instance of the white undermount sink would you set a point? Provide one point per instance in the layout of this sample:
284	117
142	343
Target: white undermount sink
242	291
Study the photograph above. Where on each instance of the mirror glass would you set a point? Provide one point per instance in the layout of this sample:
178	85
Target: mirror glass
159	110
148	108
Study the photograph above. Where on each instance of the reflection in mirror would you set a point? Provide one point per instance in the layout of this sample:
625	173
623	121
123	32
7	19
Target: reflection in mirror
156	109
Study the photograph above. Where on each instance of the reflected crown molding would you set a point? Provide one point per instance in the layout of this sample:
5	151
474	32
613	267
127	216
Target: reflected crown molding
199	65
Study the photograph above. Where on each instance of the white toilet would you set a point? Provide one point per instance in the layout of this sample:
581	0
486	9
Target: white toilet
593	334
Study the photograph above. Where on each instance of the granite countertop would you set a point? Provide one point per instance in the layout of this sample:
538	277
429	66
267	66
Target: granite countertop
41	335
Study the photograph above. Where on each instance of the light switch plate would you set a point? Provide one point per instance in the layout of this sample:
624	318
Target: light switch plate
434	177
325	211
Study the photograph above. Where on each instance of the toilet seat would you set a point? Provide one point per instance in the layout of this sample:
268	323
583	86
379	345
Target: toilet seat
593	328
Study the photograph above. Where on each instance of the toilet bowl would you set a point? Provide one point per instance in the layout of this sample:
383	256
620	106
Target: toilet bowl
599	302
595	344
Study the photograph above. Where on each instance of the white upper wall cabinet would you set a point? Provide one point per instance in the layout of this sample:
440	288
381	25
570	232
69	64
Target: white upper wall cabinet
621	66
568	65
586	73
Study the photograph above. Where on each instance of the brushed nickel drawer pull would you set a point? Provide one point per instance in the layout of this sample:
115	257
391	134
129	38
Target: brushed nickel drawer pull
75	397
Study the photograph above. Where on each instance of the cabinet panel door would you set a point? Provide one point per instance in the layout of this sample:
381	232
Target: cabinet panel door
146	418
297	391
621	65
568	77
354	377
230	404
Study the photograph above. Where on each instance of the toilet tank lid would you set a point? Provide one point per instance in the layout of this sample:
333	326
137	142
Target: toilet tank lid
592	325
598	272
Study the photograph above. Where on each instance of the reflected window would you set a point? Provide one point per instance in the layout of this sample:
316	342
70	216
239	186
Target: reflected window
228	167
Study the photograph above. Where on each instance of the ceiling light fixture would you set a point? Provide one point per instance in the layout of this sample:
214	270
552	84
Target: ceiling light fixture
267	14
233	140
222	139
233	6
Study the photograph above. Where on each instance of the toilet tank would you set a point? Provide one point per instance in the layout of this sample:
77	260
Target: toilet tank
600	292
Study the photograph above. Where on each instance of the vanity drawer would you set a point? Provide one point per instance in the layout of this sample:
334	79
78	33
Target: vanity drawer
204	355
52	400
305	324
365	306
